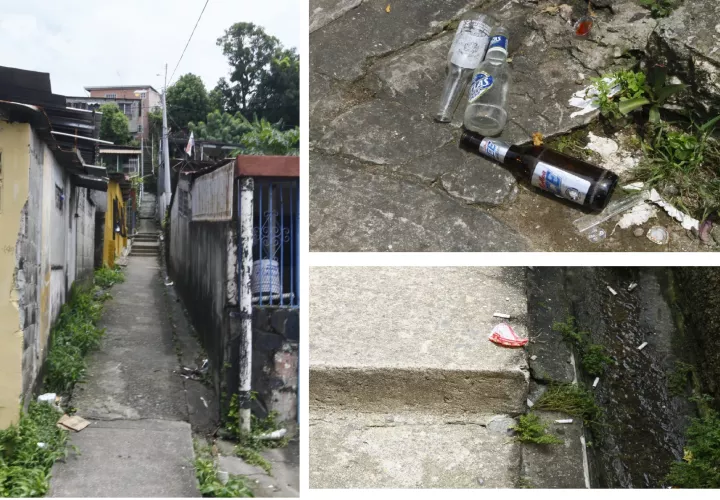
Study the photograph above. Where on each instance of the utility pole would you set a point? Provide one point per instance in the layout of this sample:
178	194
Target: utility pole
166	153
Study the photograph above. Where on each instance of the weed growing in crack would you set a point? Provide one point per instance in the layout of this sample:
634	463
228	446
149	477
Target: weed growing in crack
207	476
24	464
74	335
678	379
250	445
660	8
531	430
106	277
593	357
572	400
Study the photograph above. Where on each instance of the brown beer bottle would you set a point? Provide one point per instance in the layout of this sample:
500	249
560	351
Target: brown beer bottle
565	177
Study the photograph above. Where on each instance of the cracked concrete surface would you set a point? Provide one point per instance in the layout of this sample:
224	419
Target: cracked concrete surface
377	156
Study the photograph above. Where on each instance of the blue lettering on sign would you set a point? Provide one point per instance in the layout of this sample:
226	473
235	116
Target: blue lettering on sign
481	83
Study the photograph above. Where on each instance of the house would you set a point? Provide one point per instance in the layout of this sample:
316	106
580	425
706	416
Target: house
209	253
50	188
131	106
150	100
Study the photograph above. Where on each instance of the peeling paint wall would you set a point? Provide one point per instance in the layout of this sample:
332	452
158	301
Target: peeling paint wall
14	140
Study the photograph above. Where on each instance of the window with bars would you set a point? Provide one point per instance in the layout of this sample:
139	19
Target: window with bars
111	96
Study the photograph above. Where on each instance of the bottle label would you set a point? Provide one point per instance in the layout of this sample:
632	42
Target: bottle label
499	43
494	149
470	43
560	183
481	83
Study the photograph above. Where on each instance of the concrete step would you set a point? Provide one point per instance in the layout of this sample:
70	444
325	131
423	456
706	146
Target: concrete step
409	450
412	343
144	251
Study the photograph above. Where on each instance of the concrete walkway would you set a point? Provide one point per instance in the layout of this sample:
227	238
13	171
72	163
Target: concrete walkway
139	443
406	391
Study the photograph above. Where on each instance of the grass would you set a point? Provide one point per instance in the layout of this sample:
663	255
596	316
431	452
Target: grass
249	445
210	485
107	277
572	144
531	430
682	162
678	380
572	400
25	466
593	357
700	467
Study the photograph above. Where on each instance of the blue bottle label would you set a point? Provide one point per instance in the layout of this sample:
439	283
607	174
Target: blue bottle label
499	42
560	183
481	83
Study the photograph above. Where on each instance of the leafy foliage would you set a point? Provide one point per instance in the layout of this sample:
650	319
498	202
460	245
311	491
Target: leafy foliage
593	357
688	160
106	277
75	334
114	126
249	445
187	100
660	8
700	467
264	77
210	485
258	137
531	430
25	466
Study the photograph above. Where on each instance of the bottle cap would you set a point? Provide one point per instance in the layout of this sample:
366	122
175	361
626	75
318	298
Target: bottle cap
498	43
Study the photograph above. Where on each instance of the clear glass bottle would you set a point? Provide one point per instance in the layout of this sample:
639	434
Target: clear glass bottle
486	111
468	48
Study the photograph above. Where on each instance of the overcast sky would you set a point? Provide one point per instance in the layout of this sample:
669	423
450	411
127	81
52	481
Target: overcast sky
111	42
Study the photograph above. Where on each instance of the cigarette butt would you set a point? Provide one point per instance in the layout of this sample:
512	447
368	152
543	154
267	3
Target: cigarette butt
632	287
564	421
642	346
597	379
612	290
501	315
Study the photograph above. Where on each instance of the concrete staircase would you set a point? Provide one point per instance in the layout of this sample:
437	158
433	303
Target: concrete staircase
406	391
146	242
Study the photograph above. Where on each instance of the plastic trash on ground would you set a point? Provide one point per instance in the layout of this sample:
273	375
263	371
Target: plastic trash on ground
504	335
49	397
658	234
615	207
278	434
685	220
586	99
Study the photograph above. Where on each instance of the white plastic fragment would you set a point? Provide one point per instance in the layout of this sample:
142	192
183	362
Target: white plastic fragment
278	434
642	346
632	286
564	421
637	215
223	476
530	403
685	220
597	379
203	401
612	290
533	357
48	397
501	315
586	99
42	445
634	186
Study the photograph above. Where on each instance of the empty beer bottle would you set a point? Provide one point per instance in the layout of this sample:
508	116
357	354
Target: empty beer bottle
565	177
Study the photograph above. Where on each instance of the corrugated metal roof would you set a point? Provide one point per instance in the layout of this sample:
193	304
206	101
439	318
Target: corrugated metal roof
120	151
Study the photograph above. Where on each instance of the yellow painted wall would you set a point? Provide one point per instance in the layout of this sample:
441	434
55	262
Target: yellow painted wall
112	248
14	141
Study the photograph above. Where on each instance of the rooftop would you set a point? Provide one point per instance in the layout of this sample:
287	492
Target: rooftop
123	87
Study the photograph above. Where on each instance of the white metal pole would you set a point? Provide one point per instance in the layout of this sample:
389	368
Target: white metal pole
246	266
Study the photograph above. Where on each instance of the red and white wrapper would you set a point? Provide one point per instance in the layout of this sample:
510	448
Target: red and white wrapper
504	335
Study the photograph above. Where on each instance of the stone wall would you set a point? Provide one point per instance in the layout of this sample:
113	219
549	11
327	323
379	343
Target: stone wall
276	332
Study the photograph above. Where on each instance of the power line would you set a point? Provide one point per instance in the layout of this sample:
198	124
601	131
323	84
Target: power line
186	45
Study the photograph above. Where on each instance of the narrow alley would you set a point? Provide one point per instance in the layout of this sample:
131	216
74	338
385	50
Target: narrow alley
139	442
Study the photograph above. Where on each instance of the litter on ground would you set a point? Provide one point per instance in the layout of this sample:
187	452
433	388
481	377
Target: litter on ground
504	335
612	290
642	346
73	423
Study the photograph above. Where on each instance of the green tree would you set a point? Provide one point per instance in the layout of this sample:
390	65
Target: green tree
258	137
114	126
277	98
250	52
221	126
187	100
